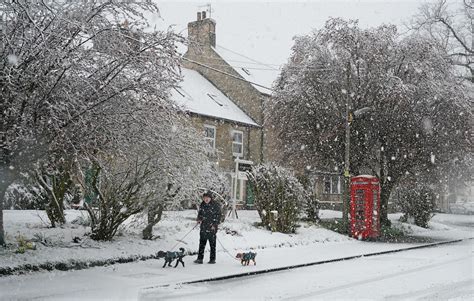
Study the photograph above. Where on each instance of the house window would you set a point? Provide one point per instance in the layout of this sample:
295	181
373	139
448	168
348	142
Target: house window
327	185
237	143
332	185
210	135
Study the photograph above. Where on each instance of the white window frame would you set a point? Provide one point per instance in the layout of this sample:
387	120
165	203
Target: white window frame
333	185
212	139
241	154
241	184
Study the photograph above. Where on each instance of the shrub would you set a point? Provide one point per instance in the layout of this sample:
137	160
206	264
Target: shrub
418	203
279	197
82	221
336	225
311	204
54	177
25	196
123	192
24	244
392	232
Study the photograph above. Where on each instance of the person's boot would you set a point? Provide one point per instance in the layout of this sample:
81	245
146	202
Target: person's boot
199	261
212	261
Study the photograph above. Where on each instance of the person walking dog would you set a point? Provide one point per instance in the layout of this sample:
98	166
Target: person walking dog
209	216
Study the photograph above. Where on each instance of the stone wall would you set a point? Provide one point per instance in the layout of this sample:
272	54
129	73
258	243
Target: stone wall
251	142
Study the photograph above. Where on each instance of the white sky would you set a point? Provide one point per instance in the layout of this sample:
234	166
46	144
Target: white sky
264	30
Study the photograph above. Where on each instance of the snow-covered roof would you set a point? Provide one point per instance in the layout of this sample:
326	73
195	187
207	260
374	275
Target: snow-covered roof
254	71
365	176
197	95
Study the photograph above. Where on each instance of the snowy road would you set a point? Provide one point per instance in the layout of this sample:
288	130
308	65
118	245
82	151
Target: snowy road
423	271
438	273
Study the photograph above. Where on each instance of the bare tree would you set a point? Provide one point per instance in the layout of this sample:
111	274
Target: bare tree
64	94
184	167
122	192
451	26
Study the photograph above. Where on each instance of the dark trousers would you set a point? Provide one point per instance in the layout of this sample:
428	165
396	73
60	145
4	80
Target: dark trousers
204	237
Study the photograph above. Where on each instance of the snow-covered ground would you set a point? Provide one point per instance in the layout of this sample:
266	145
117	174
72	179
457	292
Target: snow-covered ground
311	243
234	235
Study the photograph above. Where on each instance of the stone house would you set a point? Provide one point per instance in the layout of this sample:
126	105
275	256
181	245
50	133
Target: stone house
225	102
226	95
227	128
329	187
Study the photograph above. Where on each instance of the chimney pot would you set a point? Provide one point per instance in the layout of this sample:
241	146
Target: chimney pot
202	32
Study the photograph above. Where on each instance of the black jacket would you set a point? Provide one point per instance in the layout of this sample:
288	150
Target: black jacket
210	216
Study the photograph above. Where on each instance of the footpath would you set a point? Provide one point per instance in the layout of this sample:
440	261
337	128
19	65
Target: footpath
311	244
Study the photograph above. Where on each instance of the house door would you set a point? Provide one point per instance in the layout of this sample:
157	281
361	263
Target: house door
250	197
240	191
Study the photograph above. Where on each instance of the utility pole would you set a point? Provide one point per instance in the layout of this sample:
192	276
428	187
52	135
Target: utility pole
4	168
347	174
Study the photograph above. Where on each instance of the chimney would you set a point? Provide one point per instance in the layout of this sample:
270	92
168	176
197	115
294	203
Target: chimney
202	33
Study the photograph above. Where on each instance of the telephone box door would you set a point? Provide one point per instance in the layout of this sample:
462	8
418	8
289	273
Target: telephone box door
365	207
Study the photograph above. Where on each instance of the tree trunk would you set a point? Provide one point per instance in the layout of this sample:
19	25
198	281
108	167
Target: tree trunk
385	186
385	190
2	232
153	217
55	208
6	176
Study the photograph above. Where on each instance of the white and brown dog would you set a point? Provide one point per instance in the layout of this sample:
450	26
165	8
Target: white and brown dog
246	257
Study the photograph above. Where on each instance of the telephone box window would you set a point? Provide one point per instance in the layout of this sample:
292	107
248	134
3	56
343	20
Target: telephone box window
365	207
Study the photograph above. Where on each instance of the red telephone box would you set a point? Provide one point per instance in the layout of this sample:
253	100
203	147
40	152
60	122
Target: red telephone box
365	207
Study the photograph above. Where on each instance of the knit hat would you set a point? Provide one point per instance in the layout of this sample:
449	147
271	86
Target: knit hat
207	193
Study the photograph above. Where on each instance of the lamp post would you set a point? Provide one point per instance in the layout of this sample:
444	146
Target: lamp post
347	175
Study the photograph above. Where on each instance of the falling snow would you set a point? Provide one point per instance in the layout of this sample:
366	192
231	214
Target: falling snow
12	59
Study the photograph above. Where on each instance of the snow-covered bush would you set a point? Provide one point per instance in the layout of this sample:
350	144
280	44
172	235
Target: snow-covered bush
185	172
279	197
54	181
24	244
184	190
122	190
417	203
84	221
21	196
311	204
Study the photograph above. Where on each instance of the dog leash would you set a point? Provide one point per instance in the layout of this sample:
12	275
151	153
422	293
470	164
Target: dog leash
225	250
180	240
